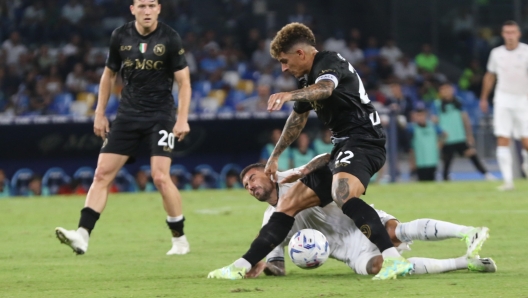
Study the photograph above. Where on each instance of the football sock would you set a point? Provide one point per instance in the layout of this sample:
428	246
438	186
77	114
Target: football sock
271	235
478	164
368	222
429	230
426	265
504	158
176	225
88	219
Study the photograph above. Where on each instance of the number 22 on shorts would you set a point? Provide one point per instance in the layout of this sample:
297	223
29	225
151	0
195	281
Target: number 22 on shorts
343	161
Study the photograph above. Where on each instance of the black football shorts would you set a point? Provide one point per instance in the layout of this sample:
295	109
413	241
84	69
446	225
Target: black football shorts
360	161
320	181
125	136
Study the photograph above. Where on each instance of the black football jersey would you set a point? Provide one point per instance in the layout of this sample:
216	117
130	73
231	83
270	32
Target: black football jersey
147	64
348	111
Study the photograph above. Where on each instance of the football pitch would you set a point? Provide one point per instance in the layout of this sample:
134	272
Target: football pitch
126	257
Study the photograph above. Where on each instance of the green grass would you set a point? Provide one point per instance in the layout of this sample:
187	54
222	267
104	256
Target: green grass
127	258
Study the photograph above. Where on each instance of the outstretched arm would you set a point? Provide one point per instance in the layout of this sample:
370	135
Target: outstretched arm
320	90
317	162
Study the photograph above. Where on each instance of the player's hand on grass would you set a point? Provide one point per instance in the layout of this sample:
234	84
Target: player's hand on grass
181	129
271	168
257	270
294	176
484	105
101	125
276	100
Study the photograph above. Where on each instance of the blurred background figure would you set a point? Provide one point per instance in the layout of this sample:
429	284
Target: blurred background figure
323	143
4	185
284	158
197	181
143	182
232	180
35	186
302	153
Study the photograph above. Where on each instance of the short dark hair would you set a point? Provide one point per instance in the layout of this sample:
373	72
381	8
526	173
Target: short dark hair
289	36
510	23
132	2
257	165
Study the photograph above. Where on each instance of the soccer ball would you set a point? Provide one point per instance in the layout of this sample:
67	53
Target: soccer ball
308	249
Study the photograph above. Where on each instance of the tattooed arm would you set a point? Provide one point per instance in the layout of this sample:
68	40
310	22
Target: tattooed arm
292	130
317	162
321	90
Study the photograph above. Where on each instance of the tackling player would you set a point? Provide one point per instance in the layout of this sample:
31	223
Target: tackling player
149	55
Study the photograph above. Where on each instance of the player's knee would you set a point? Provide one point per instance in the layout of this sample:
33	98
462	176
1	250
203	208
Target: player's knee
103	174
159	178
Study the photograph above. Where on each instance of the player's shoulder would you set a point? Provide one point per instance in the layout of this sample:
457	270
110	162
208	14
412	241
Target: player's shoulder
328	56
327	61
167	30
123	29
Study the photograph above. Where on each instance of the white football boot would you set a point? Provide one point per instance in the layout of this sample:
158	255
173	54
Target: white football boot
506	187
180	246
482	265
73	239
474	240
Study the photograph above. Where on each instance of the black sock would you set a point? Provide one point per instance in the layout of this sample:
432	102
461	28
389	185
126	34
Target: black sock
478	164
271	235
367	220
88	219
176	228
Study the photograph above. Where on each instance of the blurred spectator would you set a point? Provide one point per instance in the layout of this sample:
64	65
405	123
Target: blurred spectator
4	185
302	154
266	77
76	81
232	181
258	103
372	52
143	183
428	92
353	54
405	69
384	70
355	35
13	48
40	101
197	181
72	48
323	144
391	52
301	16
335	43
471	78
463	25
403	106
4	99
212	60
261	57
426	139
285	82
251	43
33	21
35	186
284	158
73	12
53	81
44	59
426	60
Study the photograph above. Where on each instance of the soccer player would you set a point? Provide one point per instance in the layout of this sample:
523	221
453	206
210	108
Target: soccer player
507	64
333	88
149	55
455	123
347	243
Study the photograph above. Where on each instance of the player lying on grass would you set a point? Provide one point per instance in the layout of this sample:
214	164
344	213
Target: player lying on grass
349	244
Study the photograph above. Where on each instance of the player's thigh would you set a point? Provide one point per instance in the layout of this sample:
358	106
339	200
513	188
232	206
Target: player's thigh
108	164
298	198
503	120
161	138
123	138
521	121
346	186
320	181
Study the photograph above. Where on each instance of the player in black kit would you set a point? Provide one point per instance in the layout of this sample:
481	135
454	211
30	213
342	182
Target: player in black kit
332	87
149	55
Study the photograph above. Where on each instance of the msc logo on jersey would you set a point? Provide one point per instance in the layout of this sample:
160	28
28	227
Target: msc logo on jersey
159	49
125	48
143	64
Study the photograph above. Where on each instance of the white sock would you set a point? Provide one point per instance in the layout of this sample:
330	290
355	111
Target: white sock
390	253
430	266
174	219
84	234
429	230
243	263
504	158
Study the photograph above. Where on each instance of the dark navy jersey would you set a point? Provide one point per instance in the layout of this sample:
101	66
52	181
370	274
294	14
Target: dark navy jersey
348	111
147	64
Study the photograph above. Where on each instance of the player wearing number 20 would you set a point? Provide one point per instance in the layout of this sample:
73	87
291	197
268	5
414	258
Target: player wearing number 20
332	87
149	55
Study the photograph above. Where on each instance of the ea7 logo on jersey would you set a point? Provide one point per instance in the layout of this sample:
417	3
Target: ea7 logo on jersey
125	48
345	160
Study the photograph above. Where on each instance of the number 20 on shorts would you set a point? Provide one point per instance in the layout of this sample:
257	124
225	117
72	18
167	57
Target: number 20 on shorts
167	139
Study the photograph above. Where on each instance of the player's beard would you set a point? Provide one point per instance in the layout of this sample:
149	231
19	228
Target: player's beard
265	194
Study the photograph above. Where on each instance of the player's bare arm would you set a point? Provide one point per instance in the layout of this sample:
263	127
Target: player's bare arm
321	90
467	128
316	163
487	84
181	128
274	268
292	129
101	126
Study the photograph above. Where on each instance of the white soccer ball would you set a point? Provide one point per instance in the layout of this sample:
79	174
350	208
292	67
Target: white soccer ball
308	249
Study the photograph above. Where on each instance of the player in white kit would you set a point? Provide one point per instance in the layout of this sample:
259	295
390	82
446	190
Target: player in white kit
347	243
508	65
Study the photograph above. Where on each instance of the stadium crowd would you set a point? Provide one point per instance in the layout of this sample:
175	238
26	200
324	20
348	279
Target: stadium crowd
53	52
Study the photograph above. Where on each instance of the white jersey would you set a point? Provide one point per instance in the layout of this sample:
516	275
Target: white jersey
511	69
347	243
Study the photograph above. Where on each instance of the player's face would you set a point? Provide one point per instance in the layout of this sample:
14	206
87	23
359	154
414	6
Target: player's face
511	34
292	63
258	184
146	12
